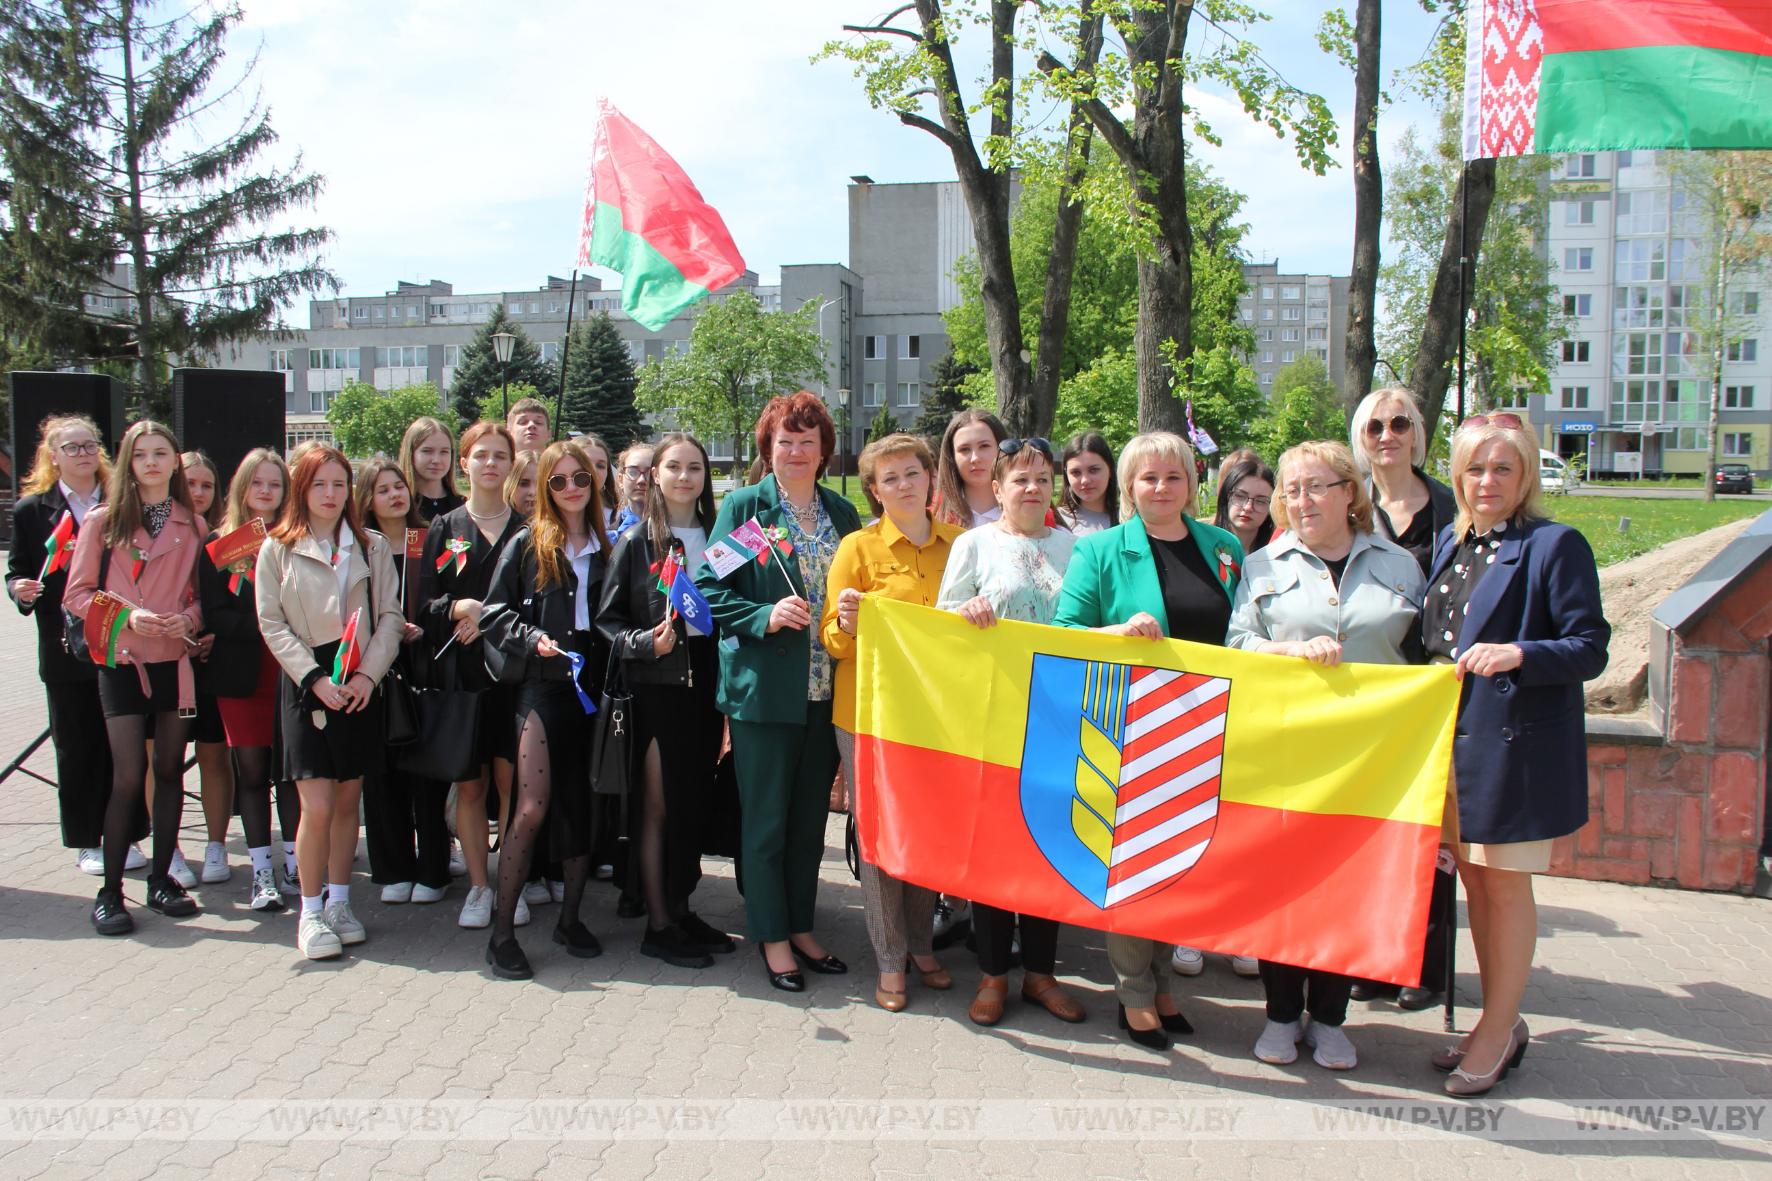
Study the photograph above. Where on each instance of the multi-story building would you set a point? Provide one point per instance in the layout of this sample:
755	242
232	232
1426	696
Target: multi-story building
1632	389
1293	316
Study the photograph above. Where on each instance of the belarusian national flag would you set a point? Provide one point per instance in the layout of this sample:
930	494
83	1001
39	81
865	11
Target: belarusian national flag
1604	75
350	653
645	220
60	545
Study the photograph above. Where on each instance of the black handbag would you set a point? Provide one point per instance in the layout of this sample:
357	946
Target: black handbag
399	708
448	743
613	737
74	627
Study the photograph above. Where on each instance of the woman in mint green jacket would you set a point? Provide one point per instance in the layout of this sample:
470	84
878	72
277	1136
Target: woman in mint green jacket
1159	574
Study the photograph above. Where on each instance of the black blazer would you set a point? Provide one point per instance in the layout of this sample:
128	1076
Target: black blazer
1442	508
516	615
1520	748
232	667
33	519
632	606
439	589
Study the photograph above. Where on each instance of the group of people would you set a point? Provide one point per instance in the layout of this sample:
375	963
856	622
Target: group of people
540	590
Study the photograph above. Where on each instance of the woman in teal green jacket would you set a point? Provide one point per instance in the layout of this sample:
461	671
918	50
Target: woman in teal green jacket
775	680
1159	574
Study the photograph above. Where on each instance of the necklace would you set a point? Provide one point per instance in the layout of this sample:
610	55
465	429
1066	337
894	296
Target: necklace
489	516
806	518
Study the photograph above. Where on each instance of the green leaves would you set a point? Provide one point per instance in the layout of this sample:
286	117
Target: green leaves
365	420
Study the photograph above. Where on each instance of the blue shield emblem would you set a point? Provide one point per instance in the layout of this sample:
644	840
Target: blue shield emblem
1120	773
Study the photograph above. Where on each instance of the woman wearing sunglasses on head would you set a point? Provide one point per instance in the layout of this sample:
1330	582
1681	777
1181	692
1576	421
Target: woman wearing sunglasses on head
1513	601
1389	442
538	612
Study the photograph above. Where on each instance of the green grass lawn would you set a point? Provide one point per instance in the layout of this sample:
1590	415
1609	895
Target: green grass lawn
1653	521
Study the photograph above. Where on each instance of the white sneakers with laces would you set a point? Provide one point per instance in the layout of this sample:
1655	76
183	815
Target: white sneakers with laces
424	893
536	893
215	863
181	873
265	896
344	924
315	939
476	909
91	861
1246	965
135	860
1187	961
397	892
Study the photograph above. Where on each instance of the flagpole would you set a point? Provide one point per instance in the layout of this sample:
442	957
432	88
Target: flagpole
1464	258
565	349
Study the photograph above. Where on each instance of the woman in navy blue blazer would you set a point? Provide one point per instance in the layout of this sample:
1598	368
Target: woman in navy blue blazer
1513	601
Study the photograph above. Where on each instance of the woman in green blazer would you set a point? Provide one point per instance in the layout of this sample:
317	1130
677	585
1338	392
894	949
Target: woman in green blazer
775	680
1160	574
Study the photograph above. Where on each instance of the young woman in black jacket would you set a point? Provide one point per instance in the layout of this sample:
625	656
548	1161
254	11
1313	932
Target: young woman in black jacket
538	615
673	670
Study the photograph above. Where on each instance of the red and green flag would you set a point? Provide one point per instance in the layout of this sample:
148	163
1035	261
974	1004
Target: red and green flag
350	652
237	552
106	617
645	220
60	546
1602	75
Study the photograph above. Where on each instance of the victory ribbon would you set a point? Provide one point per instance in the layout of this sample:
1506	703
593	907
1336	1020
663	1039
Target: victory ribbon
578	666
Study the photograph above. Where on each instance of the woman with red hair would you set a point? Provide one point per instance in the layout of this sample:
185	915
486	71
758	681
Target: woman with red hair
775	679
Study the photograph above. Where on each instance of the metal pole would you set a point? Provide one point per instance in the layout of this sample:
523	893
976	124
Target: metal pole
1450	921
18	763
565	349
1464	284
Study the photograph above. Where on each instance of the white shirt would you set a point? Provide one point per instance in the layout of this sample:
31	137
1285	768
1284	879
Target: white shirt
341	566
695	545
581	567
994	513
76	504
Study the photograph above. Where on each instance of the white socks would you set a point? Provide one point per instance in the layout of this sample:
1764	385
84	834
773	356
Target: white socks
313	903
261	859
338	893
289	858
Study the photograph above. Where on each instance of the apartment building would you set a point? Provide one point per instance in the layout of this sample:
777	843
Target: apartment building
1292	316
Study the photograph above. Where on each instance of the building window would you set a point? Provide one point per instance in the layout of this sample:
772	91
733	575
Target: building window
873	348
1291	313
1267	313
403	357
1738	397
378	313
362	313
553	305
1288	334
334	358
1288	356
1624	159
1744	350
1267	379
1739	445
1575	350
549	349
873	392
1688	438
1267	293
1642	213
1580	166
1578	305
1644	259
1578	258
1636	401
1318	333
909	393
1265	334
1513	400
1578	213
678	348
280	360
438	309
1248	313
1290	293
320	401
1267	356
451	355
910	348
535	307
1575	397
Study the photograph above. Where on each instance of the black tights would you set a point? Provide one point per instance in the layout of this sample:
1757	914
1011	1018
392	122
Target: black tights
529	809
129	757
252	791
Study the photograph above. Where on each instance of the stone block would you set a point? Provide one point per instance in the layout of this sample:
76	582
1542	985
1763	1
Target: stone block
1604	869
1741	701
1613	802
1587	838
1563	856
1661	860
1715	634
1748	600
1624	849
1609	754
1653	814
1689	857
1737	789
1691	712
1728	867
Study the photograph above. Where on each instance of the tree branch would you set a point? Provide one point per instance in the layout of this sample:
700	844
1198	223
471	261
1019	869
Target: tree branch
937	130
1105	121
883	29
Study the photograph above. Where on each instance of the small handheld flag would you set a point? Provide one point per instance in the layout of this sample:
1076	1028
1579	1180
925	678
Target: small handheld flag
415	543
728	554
350	652
60	545
578	667
238	552
106	618
691	605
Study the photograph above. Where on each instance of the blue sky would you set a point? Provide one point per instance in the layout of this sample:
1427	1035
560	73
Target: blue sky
454	136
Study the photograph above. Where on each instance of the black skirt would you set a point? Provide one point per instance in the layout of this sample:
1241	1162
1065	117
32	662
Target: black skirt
346	747
498	737
567	728
120	690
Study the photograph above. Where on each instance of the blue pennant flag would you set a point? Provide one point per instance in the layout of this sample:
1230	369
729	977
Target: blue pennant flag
691	605
578	667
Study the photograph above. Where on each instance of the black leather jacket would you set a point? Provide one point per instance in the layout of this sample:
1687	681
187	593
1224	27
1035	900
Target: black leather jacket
632	606
232	667
515	615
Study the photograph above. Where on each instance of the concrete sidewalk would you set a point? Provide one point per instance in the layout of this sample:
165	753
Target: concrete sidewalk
206	1047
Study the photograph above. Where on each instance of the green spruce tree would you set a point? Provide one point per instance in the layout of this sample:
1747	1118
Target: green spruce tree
600	384
479	372
884	423
945	397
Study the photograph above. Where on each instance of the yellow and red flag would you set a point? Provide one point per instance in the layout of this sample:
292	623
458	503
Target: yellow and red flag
1248	804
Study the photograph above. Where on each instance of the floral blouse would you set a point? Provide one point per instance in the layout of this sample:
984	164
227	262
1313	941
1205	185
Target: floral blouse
1021	576
813	552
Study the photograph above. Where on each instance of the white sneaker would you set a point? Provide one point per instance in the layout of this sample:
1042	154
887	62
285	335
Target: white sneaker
605	873
476	911
181	873
537	893
315	939
397	892
457	866
522	919
1333	1050
1246	965
291	882
344	924
215	863
424	893
1188	961
264	892
91	861
1279	1042
556	890
135	860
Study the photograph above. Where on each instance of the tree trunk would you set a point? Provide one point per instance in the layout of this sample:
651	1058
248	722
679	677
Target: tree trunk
1719	294
1166	276
1362	295
1439	331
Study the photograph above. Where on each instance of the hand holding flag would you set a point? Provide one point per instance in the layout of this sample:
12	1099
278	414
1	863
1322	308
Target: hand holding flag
238	552
690	603
350	652
106	617
60	545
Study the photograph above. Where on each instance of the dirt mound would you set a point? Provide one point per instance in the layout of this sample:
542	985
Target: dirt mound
1631	591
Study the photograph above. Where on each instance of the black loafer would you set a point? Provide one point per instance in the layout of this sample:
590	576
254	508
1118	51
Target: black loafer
169	898
1371	990
828	965
578	940
508	961
630	906
1175	1023
108	915
1416	999
674	945
786	981
1150	1039
711	939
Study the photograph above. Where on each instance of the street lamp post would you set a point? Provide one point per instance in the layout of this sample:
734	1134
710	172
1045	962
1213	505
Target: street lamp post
843	451
501	348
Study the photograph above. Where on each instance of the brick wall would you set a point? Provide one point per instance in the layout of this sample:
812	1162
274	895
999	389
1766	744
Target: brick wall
1689	811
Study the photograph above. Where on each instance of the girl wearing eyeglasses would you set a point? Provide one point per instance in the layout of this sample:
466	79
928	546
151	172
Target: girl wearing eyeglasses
539	611
1245	499
1389	442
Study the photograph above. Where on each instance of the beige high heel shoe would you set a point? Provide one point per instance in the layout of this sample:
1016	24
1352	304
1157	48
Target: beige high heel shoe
1466	1085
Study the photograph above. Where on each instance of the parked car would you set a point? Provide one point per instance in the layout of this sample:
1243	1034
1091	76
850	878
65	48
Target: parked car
1735	477
1553	472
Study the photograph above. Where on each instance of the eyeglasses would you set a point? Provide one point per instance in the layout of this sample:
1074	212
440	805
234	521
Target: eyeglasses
636	473
1313	490
1399	423
1011	446
1244	500
1509	422
580	479
72	450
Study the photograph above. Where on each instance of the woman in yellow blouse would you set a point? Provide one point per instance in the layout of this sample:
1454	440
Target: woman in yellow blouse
900	555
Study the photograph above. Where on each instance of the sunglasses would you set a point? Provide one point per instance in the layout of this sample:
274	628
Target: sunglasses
1011	446
1399	424
580	479
1509	422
